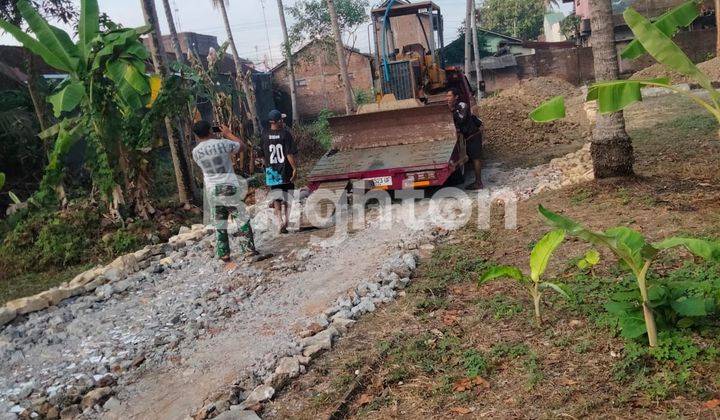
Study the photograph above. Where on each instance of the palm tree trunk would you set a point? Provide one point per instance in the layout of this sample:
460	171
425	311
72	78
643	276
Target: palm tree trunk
290	64
158	57
185	120
179	57
468	35
476	51
611	147
340	52
717	28
241	79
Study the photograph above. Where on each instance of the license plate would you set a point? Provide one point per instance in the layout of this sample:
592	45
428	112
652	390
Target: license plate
381	181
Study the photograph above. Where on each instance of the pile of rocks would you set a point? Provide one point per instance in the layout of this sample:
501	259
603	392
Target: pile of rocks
573	168
90	280
100	315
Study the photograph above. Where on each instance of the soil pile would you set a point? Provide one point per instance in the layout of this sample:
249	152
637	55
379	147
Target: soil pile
710	67
509	132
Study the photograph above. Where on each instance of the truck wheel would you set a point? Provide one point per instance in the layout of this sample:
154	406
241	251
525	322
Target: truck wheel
457	177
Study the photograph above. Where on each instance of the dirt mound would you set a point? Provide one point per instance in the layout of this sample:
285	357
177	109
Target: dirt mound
540	89
710	67
511	136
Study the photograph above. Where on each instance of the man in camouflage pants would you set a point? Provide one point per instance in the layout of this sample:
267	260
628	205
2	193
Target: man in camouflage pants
215	157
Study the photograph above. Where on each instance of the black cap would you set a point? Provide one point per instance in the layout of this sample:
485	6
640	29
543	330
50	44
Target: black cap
276	115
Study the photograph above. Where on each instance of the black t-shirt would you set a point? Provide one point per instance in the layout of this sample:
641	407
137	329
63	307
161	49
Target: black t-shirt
464	121
277	145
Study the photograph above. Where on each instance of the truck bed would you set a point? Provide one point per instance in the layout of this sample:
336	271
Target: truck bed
361	163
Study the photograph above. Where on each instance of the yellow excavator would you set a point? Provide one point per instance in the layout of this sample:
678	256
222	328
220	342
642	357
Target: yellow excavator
406	138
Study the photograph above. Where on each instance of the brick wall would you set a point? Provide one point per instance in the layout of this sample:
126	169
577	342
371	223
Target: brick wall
499	79
576	64
318	78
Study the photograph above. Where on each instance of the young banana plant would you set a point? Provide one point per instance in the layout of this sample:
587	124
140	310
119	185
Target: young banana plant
637	255
539	258
589	261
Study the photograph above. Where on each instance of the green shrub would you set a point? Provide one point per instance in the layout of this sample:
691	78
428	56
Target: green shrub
123	241
46	240
363	97
59	244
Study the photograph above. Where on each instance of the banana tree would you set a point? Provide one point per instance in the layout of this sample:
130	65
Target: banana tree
654	38
105	83
539	258
637	254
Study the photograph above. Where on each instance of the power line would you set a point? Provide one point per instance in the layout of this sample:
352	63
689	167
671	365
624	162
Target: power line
267	32
176	16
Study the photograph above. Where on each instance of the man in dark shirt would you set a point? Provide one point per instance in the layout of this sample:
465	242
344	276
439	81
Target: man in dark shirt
471	129
280	165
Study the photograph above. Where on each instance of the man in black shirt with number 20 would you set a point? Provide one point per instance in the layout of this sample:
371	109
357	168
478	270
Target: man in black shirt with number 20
280	165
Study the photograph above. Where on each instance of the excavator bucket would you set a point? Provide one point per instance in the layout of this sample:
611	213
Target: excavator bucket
416	125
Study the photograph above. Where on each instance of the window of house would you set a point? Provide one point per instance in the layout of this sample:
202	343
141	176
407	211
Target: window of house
301	82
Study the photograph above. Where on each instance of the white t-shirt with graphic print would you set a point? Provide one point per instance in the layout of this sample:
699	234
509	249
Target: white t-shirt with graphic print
214	157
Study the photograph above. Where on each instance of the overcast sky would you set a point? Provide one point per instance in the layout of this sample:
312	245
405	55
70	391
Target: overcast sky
257	34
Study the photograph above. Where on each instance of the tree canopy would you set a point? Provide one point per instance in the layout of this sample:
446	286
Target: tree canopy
62	10
455	51
312	19
519	18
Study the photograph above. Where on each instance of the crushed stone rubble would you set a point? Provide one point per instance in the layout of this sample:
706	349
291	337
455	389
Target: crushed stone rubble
64	353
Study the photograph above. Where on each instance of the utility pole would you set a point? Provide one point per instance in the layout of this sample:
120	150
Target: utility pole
287	51
476	52
468	35
243	81
158	57
340	51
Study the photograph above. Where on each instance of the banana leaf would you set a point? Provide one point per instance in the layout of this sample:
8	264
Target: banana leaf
627	244
132	85
664	50
66	138
616	95
49	56
67	98
668	23
56	41
88	25
155	87
708	250
502	271
542	251
558	287
551	110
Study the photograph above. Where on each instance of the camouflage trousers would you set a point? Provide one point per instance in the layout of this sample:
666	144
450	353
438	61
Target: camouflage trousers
222	215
